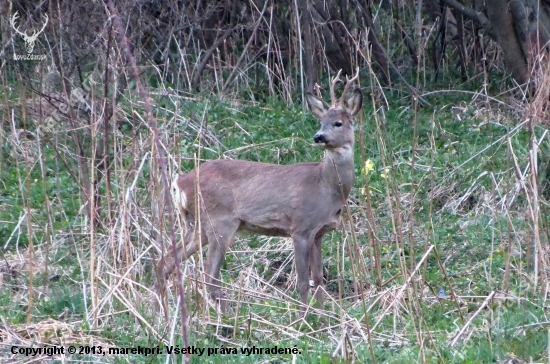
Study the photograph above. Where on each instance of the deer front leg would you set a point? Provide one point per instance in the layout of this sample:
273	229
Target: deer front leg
219	239
316	266
215	256
301	258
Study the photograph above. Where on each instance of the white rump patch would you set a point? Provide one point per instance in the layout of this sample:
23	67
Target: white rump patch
178	196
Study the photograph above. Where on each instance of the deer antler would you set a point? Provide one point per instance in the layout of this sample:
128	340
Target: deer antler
15	16
333	83
43	26
346	88
12	21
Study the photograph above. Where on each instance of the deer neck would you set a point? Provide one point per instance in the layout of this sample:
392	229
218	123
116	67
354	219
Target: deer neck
338	169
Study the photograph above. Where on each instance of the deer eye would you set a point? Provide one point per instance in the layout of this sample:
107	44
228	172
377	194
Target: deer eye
338	124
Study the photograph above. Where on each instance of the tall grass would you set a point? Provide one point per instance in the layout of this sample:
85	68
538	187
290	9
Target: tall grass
442	256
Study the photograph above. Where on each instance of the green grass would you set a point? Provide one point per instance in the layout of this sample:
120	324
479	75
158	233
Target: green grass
451	200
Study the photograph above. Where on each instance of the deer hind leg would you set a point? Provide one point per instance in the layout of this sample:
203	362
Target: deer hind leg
316	266
220	236
188	246
189	241
302	248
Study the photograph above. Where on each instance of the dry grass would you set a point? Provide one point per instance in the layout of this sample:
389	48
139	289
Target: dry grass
443	253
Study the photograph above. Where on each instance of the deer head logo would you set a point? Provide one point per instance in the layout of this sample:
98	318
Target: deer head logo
29	39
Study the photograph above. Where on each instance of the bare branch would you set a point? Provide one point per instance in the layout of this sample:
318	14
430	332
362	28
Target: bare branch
470	13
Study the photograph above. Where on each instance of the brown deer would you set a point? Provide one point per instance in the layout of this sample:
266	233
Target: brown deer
302	201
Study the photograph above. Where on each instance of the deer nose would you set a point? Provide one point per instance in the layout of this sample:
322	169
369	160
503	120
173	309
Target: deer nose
319	138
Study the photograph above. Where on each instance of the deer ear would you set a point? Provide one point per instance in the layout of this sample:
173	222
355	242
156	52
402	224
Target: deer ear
317	106
355	102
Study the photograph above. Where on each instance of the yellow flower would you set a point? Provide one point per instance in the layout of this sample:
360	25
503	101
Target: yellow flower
385	173
369	166
36	180
389	265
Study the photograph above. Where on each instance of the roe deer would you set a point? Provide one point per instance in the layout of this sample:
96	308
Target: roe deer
302	201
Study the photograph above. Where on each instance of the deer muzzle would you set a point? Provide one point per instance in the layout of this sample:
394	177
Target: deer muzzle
320	138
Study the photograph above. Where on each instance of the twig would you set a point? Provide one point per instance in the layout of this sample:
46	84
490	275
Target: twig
21	219
405	285
200	68
229	80
159	156
457	336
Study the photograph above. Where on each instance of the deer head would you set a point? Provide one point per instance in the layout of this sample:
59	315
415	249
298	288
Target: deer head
29	39
338	115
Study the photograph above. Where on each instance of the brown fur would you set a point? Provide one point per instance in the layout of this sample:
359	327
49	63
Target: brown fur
302	201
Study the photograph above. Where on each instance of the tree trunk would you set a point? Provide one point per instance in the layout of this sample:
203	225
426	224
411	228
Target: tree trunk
520	27
309	46
501	29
